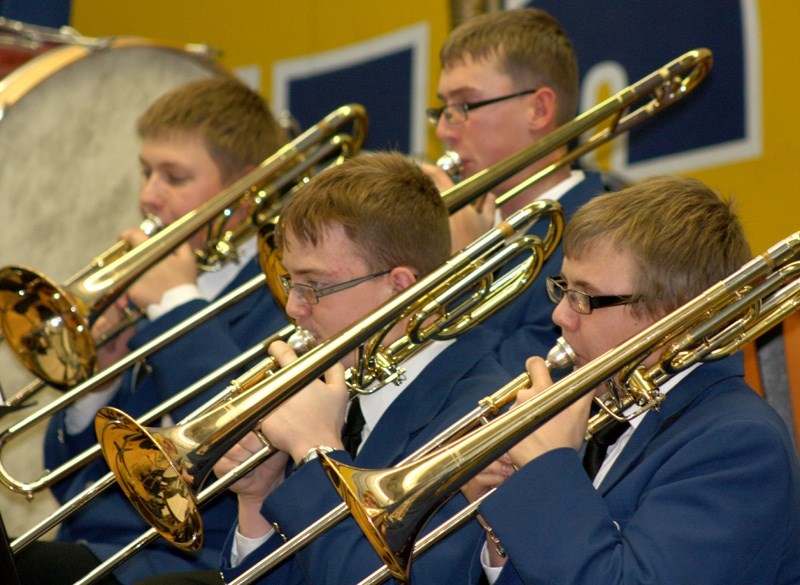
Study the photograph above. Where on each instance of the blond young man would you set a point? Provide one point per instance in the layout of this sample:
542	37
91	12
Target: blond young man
706	488
196	139
507	80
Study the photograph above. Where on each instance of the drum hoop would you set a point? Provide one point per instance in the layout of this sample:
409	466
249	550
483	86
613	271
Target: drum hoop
27	76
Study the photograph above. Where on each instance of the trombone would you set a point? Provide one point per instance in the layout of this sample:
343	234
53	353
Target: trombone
391	506
177	460
263	185
664	87
48	325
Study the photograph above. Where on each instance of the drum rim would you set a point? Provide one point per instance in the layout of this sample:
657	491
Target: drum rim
23	79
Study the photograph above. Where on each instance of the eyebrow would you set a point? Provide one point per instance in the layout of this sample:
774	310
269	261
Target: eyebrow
311	273
581	285
169	164
459	93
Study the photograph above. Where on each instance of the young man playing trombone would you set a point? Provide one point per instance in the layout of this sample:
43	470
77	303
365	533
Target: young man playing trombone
704	490
196	140
508	79
352	239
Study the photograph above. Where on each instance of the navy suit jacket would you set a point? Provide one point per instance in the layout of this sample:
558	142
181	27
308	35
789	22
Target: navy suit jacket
706	491
448	387
110	522
526	323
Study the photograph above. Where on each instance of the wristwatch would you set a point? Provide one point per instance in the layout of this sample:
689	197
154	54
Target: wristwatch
313	453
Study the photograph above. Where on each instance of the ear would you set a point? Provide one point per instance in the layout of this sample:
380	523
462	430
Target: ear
542	110
401	278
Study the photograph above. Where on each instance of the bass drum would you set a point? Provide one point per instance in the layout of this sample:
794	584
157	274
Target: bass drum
69	175
69	178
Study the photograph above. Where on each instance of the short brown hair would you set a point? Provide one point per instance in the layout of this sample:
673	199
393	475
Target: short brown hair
531	47
683	236
387	206
235	123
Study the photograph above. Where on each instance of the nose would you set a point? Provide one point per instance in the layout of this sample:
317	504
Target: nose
564	317
296	308
151	194
445	131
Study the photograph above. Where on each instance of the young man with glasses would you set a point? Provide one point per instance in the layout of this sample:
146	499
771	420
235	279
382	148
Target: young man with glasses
704	490
508	79
352	239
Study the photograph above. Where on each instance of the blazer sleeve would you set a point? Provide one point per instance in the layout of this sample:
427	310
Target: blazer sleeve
208	346
718	510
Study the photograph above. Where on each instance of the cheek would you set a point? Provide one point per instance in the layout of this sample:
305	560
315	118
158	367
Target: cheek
621	329
334	320
196	193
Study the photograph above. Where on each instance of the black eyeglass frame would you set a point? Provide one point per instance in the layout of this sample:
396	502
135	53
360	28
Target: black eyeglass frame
435	114
557	290
309	292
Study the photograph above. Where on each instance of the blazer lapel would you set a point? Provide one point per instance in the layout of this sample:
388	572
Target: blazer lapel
420	403
676	401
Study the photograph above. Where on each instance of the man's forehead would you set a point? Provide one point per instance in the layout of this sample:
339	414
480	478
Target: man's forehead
473	78
331	251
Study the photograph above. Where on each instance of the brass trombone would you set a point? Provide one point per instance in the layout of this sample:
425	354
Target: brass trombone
664	88
48	325
179	459
392	506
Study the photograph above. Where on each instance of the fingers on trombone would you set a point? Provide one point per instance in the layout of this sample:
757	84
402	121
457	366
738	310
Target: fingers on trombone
334	376
282	352
489	478
239	453
540	378
133	236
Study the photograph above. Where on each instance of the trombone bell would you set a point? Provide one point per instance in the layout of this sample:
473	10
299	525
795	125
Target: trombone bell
40	320
148	468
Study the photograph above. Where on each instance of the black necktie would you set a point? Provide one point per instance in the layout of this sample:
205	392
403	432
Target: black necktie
598	445
353	424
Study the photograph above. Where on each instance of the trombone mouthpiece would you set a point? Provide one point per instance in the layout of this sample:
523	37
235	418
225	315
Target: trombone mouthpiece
560	355
450	163
151	224
301	341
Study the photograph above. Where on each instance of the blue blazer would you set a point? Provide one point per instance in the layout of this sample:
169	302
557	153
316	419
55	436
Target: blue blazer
706	491
448	387
110	522
526	323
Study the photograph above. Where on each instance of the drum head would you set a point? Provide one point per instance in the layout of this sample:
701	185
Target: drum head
69	181
69	177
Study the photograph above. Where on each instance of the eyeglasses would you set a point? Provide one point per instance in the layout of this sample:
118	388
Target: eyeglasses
311	295
457	113
580	302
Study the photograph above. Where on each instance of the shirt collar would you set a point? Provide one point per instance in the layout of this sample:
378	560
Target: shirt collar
557	191
374	405
212	283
